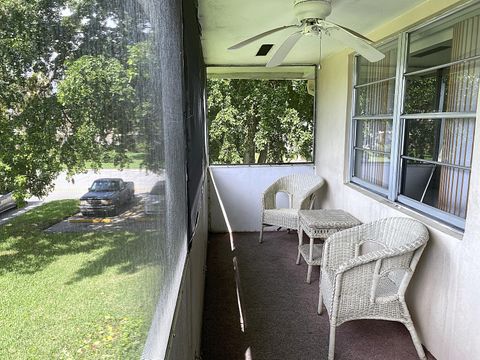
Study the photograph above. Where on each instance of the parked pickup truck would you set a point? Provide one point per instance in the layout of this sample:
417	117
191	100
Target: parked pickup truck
106	196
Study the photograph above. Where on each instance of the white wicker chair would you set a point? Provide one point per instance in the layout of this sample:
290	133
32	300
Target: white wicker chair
301	189
366	270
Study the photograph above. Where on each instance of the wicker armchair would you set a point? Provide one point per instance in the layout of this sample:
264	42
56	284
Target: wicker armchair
366	270
301	189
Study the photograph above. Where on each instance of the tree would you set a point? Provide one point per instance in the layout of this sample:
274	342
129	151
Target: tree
259	121
423	94
73	87
88	79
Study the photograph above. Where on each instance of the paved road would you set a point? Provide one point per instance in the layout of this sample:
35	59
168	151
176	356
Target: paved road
10	214
80	183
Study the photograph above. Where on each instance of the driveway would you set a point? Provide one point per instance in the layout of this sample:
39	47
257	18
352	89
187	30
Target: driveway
131	218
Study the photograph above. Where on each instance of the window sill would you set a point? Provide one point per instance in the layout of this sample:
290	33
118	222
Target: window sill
428	221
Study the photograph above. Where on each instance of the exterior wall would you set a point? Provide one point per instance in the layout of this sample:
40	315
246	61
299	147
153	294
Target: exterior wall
444	294
185	337
239	189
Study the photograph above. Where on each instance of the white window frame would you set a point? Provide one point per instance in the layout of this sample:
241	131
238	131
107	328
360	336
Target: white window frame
287	73
398	127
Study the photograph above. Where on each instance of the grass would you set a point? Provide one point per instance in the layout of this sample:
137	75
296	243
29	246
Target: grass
135	161
74	295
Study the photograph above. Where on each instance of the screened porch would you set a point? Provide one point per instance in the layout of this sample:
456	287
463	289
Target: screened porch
390	138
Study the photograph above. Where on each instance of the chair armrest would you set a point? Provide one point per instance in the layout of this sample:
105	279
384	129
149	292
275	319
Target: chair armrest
400	257
341	247
365	259
268	197
363	274
308	198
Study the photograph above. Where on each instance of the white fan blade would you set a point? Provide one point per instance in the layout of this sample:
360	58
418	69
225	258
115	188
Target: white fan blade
354	40
259	36
284	49
353	32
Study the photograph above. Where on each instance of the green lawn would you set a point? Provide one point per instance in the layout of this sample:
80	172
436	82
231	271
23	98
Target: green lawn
136	159
74	295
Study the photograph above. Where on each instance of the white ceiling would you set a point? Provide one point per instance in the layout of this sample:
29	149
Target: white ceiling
227	22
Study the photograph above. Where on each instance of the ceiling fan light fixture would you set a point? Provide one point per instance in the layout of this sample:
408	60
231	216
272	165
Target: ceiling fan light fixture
311	14
306	10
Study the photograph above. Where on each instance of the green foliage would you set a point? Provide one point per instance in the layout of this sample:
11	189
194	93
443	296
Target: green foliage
423	94
135	161
37	220
259	121
74	86
78	295
87	80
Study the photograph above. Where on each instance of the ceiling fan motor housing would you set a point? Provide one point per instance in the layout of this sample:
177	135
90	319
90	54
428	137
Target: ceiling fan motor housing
312	9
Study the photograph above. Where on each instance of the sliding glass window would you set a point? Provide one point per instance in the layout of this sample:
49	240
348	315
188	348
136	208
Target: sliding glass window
441	90
372	120
414	119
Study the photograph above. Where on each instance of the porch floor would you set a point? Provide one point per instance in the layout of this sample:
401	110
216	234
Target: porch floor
274	316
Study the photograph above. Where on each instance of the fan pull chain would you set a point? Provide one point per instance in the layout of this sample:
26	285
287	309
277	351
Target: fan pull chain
320	51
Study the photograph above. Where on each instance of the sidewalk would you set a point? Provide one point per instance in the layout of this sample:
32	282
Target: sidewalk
10	214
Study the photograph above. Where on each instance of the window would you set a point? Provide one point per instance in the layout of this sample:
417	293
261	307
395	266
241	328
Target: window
373	117
260	121
414	117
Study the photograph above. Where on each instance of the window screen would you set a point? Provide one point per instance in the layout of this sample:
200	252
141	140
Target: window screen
260	121
92	91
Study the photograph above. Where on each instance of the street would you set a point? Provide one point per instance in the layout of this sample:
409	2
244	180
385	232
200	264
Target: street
80	183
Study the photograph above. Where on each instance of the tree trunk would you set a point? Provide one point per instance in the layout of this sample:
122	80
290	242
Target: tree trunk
262	158
249	155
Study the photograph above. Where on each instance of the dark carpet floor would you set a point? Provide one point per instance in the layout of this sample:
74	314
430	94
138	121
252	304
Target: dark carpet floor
277	318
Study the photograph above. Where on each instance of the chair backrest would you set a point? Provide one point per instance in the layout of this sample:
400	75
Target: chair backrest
396	232
300	187
404	240
397	244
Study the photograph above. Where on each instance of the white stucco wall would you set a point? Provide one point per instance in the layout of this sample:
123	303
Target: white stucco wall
444	295
240	189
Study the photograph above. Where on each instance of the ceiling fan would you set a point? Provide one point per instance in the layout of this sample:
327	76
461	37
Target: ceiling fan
311	14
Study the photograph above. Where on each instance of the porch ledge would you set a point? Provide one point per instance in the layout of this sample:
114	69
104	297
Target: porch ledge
213	166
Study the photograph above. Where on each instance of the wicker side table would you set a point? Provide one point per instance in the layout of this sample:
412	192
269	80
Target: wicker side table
320	224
